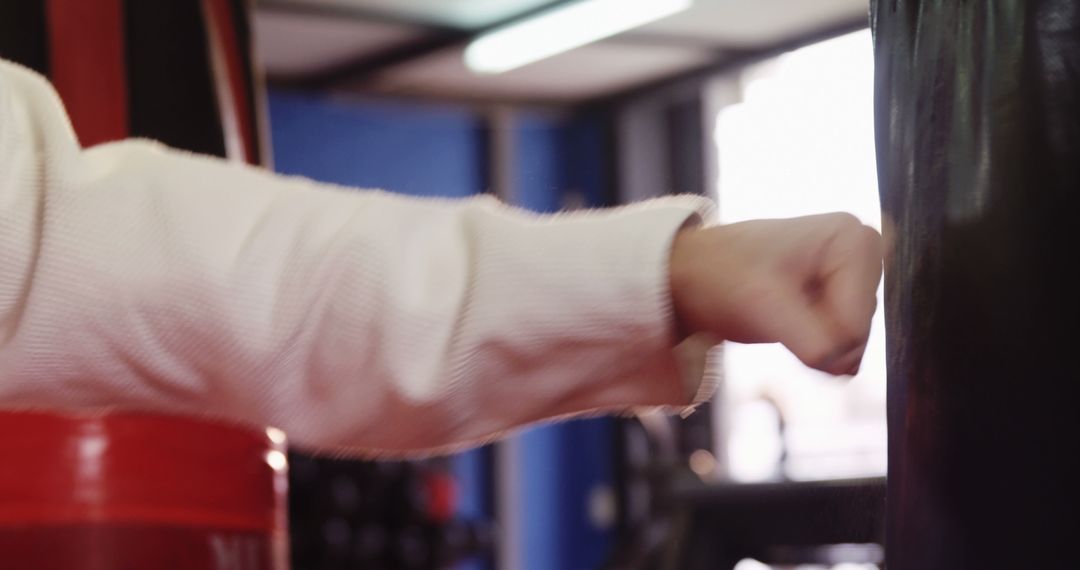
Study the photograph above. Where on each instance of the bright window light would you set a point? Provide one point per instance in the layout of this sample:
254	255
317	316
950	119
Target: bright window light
801	141
750	564
561	29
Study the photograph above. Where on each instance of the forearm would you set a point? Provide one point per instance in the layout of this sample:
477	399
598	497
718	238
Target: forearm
353	320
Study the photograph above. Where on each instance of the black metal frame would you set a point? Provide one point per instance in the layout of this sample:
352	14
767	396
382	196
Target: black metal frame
777	523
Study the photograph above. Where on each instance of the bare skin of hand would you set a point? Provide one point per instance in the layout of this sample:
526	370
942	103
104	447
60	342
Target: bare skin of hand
809	283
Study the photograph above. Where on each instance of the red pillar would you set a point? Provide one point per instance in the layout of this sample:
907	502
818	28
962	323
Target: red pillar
87	66
97	491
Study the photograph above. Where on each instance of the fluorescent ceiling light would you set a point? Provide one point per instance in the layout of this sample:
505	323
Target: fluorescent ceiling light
561	29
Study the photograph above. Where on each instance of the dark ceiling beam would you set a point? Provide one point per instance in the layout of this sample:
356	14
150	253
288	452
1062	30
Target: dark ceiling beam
357	13
437	38
357	69
368	15
667	40
434	36
365	14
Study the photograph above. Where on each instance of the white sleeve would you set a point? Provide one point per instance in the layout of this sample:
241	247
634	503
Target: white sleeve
135	276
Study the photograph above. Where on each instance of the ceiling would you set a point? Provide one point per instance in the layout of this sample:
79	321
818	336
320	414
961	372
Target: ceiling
414	47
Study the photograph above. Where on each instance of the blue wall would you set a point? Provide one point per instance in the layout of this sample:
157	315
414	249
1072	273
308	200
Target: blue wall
561	465
413	149
422	150
439	151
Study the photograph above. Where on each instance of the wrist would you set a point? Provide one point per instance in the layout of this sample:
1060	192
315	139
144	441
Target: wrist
679	276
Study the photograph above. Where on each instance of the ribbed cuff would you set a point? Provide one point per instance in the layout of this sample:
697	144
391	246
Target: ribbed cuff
595	284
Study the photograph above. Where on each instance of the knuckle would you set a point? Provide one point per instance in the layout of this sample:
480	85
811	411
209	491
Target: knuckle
850	334
871	236
846	220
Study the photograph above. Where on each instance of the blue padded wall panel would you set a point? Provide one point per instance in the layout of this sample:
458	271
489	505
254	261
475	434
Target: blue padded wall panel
422	150
412	149
562	466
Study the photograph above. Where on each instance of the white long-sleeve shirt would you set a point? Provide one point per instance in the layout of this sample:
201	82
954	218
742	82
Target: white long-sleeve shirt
135	276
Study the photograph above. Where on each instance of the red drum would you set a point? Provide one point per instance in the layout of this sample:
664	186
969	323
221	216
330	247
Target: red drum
135	491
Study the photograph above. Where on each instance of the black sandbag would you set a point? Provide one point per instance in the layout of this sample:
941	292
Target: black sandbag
978	132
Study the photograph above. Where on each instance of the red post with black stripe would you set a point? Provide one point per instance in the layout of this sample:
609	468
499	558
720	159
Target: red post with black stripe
87	66
109	491
97	491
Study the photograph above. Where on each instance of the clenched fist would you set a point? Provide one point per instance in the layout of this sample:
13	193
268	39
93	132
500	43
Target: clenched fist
809	283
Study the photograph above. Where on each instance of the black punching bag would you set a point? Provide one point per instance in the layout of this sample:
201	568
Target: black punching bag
978	126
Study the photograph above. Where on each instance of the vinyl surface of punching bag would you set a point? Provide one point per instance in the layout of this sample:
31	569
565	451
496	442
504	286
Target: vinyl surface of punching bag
978	126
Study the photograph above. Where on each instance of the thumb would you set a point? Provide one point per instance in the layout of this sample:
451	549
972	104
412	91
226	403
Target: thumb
808	331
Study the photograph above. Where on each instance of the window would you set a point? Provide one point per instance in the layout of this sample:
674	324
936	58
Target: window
800	141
